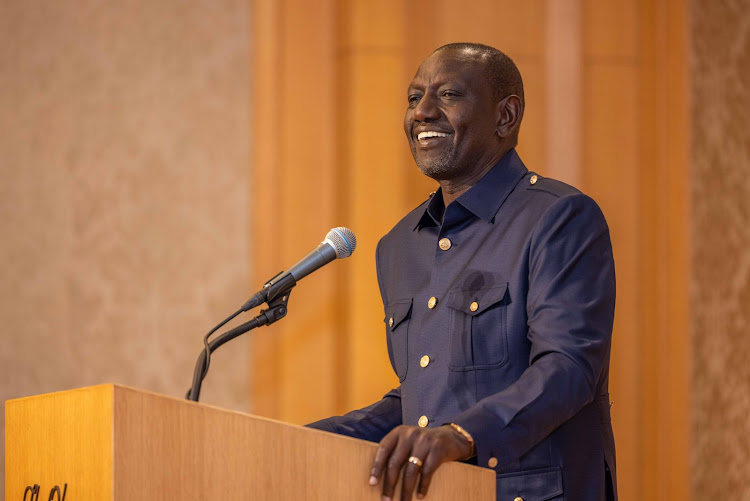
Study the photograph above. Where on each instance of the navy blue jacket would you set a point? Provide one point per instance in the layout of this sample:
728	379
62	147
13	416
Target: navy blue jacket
498	316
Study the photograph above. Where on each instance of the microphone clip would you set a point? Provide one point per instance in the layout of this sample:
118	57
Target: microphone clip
277	308
271	290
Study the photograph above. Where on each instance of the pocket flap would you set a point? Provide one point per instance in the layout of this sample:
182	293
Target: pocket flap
474	302
397	312
539	485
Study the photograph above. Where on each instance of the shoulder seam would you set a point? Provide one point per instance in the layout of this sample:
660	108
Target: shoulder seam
542	190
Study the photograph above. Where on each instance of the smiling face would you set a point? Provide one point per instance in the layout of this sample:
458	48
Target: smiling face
451	120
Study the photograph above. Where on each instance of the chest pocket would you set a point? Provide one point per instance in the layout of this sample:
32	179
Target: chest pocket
478	328
397	316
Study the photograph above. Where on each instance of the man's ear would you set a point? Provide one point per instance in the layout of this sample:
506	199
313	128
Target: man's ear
509	113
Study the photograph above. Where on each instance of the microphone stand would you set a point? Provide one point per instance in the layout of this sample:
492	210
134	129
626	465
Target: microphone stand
277	295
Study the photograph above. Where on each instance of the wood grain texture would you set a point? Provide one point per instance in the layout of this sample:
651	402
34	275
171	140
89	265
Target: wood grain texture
113	443
60	438
169	449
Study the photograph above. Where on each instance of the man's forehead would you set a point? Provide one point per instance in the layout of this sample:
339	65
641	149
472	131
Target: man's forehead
449	62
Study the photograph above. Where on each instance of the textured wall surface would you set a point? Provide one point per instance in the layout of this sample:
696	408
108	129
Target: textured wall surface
721	239
124	131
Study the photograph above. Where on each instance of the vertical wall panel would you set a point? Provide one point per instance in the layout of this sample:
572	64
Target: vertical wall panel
611	31
664	223
374	142
265	188
298	155
611	177
563	61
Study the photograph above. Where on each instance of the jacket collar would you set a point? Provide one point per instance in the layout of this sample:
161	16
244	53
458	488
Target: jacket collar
483	199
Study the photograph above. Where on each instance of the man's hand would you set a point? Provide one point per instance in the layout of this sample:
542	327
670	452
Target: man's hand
430	446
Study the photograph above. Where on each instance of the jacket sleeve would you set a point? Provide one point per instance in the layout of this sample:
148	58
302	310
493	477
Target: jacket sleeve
570	309
374	421
370	423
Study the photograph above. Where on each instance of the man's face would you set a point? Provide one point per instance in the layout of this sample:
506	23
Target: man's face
451	119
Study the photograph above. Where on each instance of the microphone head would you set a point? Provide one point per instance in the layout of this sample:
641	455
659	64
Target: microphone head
342	240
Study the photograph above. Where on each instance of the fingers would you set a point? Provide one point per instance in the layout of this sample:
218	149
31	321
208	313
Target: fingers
383	454
399	457
431	463
419	452
413	470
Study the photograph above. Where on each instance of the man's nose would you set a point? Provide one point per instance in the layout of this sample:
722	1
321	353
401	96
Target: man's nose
426	109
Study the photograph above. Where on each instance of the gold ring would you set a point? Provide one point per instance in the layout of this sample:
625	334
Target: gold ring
415	460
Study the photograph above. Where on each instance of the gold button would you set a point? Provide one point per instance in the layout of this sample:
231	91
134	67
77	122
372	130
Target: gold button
444	244
432	302
390	322
519	498
474	306
533	179
492	462
424	361
423	422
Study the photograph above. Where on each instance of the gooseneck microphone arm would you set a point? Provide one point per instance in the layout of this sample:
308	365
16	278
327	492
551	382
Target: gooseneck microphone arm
277	309
339	243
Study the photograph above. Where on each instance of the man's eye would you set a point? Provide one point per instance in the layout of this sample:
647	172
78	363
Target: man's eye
414	99
450	93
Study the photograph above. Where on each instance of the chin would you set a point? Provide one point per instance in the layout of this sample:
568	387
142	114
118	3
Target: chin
436	173
437	170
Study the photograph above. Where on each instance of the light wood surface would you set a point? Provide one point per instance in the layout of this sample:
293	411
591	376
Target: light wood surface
116	443
60	438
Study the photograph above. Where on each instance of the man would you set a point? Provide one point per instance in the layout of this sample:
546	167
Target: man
499	298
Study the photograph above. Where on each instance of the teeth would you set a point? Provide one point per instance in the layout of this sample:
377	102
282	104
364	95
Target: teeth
425	135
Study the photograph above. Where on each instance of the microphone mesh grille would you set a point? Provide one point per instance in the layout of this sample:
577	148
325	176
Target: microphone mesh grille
343	240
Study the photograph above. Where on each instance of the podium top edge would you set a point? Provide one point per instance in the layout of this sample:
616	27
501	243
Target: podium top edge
113	388
98	387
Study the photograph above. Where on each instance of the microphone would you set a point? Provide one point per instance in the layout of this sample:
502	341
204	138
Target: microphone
339	243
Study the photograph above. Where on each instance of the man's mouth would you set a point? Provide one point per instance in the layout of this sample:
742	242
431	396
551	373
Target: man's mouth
430	134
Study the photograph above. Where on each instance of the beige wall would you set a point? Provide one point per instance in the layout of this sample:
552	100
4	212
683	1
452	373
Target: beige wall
720	292
124	132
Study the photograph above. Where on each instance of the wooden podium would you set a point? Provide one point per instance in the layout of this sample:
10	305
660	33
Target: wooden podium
113	443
